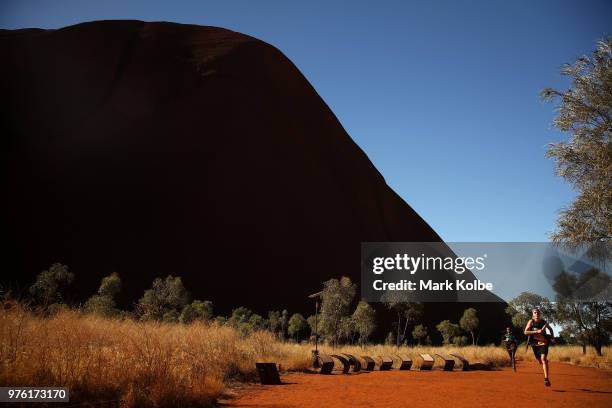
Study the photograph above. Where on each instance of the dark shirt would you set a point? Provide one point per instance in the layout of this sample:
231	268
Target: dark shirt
536	326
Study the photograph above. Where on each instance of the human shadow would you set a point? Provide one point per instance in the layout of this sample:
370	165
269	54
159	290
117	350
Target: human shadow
594	391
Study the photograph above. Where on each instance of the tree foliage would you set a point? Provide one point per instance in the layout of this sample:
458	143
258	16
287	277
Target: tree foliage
197	310
413	313
364	320
283	321
164	300
469	322
274	321
587	321
448	330
348	329
520	308
103	303
257	322
171	316
240	320
101	306
419	333
49	284
110	285
410	312
460	341
582	308
585	161
311	323
297	326
336	299
240	315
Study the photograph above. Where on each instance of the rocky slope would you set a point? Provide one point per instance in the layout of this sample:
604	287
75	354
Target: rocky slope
158	148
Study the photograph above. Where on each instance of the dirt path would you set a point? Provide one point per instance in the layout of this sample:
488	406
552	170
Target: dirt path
571	387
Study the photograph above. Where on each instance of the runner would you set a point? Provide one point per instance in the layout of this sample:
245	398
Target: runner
511	346
539	340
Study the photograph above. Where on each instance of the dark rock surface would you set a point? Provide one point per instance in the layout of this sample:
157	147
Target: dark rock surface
158	148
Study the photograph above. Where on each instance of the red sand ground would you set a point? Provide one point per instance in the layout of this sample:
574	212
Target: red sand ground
571	387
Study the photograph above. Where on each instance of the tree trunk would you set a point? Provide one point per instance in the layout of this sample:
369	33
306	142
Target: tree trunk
598	334
473	339
405	327
399	323
583	348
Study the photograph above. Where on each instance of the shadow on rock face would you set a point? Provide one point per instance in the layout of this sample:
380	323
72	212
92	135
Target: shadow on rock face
156	148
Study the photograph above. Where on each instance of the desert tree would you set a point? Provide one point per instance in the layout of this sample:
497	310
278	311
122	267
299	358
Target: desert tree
460	341
257	322
284	321
170	316
396	301
297	326
47	289
448	330
469	322
197	310
336	298
312	321
567	336
585	160
245	321
101	306
241	320
413	313
110	285
588	321
419	333
348	329
519	308
240	315
164	300
582	308
364	320
103	303
274	321
410	312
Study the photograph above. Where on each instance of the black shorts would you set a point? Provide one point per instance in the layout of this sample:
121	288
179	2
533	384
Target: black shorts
539	351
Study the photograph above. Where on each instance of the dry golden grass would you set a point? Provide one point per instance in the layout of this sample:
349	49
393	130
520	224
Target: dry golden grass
145	364
156	364
573	355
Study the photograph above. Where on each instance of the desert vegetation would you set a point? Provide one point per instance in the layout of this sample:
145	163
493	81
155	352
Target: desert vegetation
152	363
144	363
172	350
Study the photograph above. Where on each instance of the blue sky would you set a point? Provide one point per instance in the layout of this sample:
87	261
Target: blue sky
441	95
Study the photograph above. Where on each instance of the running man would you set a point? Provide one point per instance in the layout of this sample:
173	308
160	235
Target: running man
539	340
510	343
